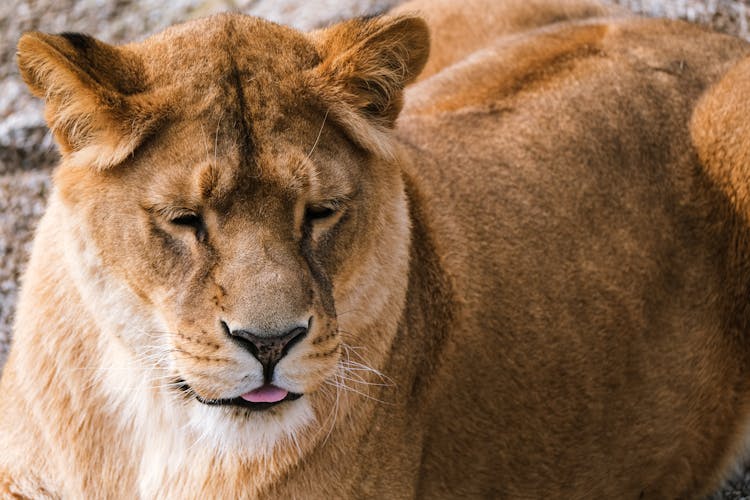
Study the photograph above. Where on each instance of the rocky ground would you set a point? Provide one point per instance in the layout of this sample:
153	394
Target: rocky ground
27	153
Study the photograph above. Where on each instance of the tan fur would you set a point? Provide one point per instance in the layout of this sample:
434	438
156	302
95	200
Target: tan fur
533	285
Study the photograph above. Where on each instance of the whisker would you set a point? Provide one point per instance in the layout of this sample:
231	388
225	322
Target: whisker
355	366
351	389
317	139
333	416
363	382
348	311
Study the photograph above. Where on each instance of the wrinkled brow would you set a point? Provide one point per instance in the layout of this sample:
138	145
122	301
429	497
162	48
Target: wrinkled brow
215	181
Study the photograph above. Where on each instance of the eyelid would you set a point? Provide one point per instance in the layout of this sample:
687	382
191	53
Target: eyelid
334	205
337	203
323	211
176	214
172	212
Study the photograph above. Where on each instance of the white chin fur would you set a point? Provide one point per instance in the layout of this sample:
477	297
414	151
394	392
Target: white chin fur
203	436
255	434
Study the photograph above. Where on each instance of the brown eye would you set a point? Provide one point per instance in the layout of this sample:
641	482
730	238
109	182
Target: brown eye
188	220
191	221
313	213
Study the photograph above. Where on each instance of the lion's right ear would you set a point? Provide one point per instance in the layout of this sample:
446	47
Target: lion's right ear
95	99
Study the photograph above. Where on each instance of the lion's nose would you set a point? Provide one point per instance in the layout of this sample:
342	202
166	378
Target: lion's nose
268	348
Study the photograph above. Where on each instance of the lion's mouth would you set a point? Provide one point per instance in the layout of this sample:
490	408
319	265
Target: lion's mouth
259	399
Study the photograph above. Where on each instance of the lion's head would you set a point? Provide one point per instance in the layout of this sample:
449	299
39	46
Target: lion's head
232	211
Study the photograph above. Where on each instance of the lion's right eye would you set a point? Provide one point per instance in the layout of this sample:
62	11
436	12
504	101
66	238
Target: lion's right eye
191	221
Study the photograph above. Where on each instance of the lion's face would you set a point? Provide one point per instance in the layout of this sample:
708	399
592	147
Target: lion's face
237	254
233	176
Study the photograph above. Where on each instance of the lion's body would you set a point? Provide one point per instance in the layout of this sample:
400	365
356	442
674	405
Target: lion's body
551	282
590	252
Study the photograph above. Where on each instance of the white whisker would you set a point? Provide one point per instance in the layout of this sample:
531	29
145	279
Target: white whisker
317	139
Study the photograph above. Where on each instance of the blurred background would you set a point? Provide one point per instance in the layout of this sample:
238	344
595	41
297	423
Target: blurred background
27	153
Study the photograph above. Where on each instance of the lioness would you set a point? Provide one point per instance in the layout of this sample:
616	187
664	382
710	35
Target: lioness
267	270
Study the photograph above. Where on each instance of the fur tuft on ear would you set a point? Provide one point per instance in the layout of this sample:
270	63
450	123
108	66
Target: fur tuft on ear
366	63
720	129
95	99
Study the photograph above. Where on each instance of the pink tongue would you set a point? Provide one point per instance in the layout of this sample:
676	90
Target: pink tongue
266	394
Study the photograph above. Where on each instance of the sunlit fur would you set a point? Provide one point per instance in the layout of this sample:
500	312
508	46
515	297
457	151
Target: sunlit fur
530	282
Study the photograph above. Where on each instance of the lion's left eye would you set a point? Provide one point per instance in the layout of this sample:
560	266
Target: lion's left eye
313	213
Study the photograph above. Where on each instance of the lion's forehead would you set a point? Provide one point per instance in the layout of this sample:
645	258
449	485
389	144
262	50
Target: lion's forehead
206	163
243	123
220	52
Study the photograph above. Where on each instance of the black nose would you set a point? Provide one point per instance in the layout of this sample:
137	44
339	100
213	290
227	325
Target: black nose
268	349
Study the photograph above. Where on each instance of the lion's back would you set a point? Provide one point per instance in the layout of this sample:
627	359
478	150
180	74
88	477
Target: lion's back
580	234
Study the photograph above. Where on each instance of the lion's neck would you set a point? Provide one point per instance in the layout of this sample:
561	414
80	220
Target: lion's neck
57	370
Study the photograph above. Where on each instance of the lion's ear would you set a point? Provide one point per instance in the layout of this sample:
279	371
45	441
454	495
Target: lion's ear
720	130
94	96
366	63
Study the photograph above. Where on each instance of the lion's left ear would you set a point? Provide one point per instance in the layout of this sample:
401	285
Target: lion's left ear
96	102
366	63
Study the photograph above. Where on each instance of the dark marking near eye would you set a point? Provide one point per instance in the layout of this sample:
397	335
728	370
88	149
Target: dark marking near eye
79	41
328	240
167	239
317	272
333	232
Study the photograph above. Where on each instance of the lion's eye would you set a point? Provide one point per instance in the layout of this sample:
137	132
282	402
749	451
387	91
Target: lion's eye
313	213
188	220
191	221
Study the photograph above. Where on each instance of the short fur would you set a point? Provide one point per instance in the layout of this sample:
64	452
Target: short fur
532	284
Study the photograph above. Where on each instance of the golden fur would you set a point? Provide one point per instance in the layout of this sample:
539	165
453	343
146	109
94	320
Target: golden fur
524	276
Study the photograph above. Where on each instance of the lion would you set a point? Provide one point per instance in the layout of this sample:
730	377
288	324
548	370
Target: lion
462	249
